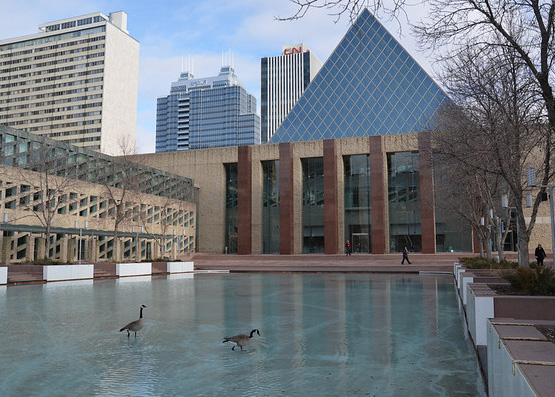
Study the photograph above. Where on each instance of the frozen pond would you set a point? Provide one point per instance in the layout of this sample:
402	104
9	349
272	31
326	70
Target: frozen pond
321	334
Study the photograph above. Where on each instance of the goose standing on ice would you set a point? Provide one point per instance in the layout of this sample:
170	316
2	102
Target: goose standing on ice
136	325
241	339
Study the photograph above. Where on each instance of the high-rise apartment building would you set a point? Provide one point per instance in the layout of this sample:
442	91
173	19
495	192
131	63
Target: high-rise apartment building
75	81
284	78
205	113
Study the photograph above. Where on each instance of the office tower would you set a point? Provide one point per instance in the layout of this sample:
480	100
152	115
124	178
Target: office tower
206	112
74	81
369	85
283	80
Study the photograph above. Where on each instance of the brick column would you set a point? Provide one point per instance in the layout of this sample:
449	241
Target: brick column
331	223
286	200
427	202
377	195
244	200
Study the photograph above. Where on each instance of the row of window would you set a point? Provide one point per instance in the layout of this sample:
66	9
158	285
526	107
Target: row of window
15	76
28	120
51	87
58	54
52	78
54	94
50	39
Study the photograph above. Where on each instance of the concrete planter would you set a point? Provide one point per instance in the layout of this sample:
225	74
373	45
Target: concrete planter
180	267
3	275
67	272
520	362
133	269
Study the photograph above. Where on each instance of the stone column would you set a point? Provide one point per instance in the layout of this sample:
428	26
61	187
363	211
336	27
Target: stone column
331	223
244	200
71	249
6	249
30	248
93	249
41	247
378	189
63	248
427	201
286	200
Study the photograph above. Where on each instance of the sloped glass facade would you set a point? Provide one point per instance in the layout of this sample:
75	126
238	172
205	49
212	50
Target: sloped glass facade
368	86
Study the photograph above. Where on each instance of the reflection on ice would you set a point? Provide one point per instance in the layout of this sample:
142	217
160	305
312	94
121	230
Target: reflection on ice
133	279
320	334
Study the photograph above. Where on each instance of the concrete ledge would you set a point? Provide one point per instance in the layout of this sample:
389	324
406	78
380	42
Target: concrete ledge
133	269
520	363
67	272
180	267
3	275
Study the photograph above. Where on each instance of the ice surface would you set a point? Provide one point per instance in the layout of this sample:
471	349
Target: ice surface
321	334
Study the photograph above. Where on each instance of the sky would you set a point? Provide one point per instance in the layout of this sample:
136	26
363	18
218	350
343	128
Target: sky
173	34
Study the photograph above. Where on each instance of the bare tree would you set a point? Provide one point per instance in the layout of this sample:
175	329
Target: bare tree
120	188
351	8
46	189
494	127
164	213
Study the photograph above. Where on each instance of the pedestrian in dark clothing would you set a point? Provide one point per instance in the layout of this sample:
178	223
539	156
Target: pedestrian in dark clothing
348	248
405	256
540	255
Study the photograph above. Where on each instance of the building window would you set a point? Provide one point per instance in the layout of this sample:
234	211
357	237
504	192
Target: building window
357	202
270	207
230	208
313	205
404	201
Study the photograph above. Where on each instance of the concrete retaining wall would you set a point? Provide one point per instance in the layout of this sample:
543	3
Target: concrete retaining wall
180	267
67	272
133	269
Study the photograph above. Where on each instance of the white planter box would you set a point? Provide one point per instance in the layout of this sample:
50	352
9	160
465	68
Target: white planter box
466	279
133	269
505	377
478	310
3	275
180	267
67	272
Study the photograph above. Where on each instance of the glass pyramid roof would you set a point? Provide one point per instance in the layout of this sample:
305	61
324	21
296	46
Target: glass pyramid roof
368	86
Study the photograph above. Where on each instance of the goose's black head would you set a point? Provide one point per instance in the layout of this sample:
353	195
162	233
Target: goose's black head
253	331
142	307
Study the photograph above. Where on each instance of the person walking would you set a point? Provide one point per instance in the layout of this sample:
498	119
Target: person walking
348	248
540	255
405	256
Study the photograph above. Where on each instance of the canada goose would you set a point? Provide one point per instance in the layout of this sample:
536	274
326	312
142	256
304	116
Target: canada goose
241	339
136	325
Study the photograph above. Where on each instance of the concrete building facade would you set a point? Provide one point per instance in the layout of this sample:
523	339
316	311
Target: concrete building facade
75	81
310	197
89	206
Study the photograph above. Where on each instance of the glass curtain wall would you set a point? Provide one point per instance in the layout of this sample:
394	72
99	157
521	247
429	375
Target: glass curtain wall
313	205
453	232
270	207
403	179
357	202
230	208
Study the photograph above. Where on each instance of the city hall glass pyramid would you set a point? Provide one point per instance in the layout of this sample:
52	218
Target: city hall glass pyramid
368	86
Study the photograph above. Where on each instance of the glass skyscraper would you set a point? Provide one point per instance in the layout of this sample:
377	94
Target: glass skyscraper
368	86
205	113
